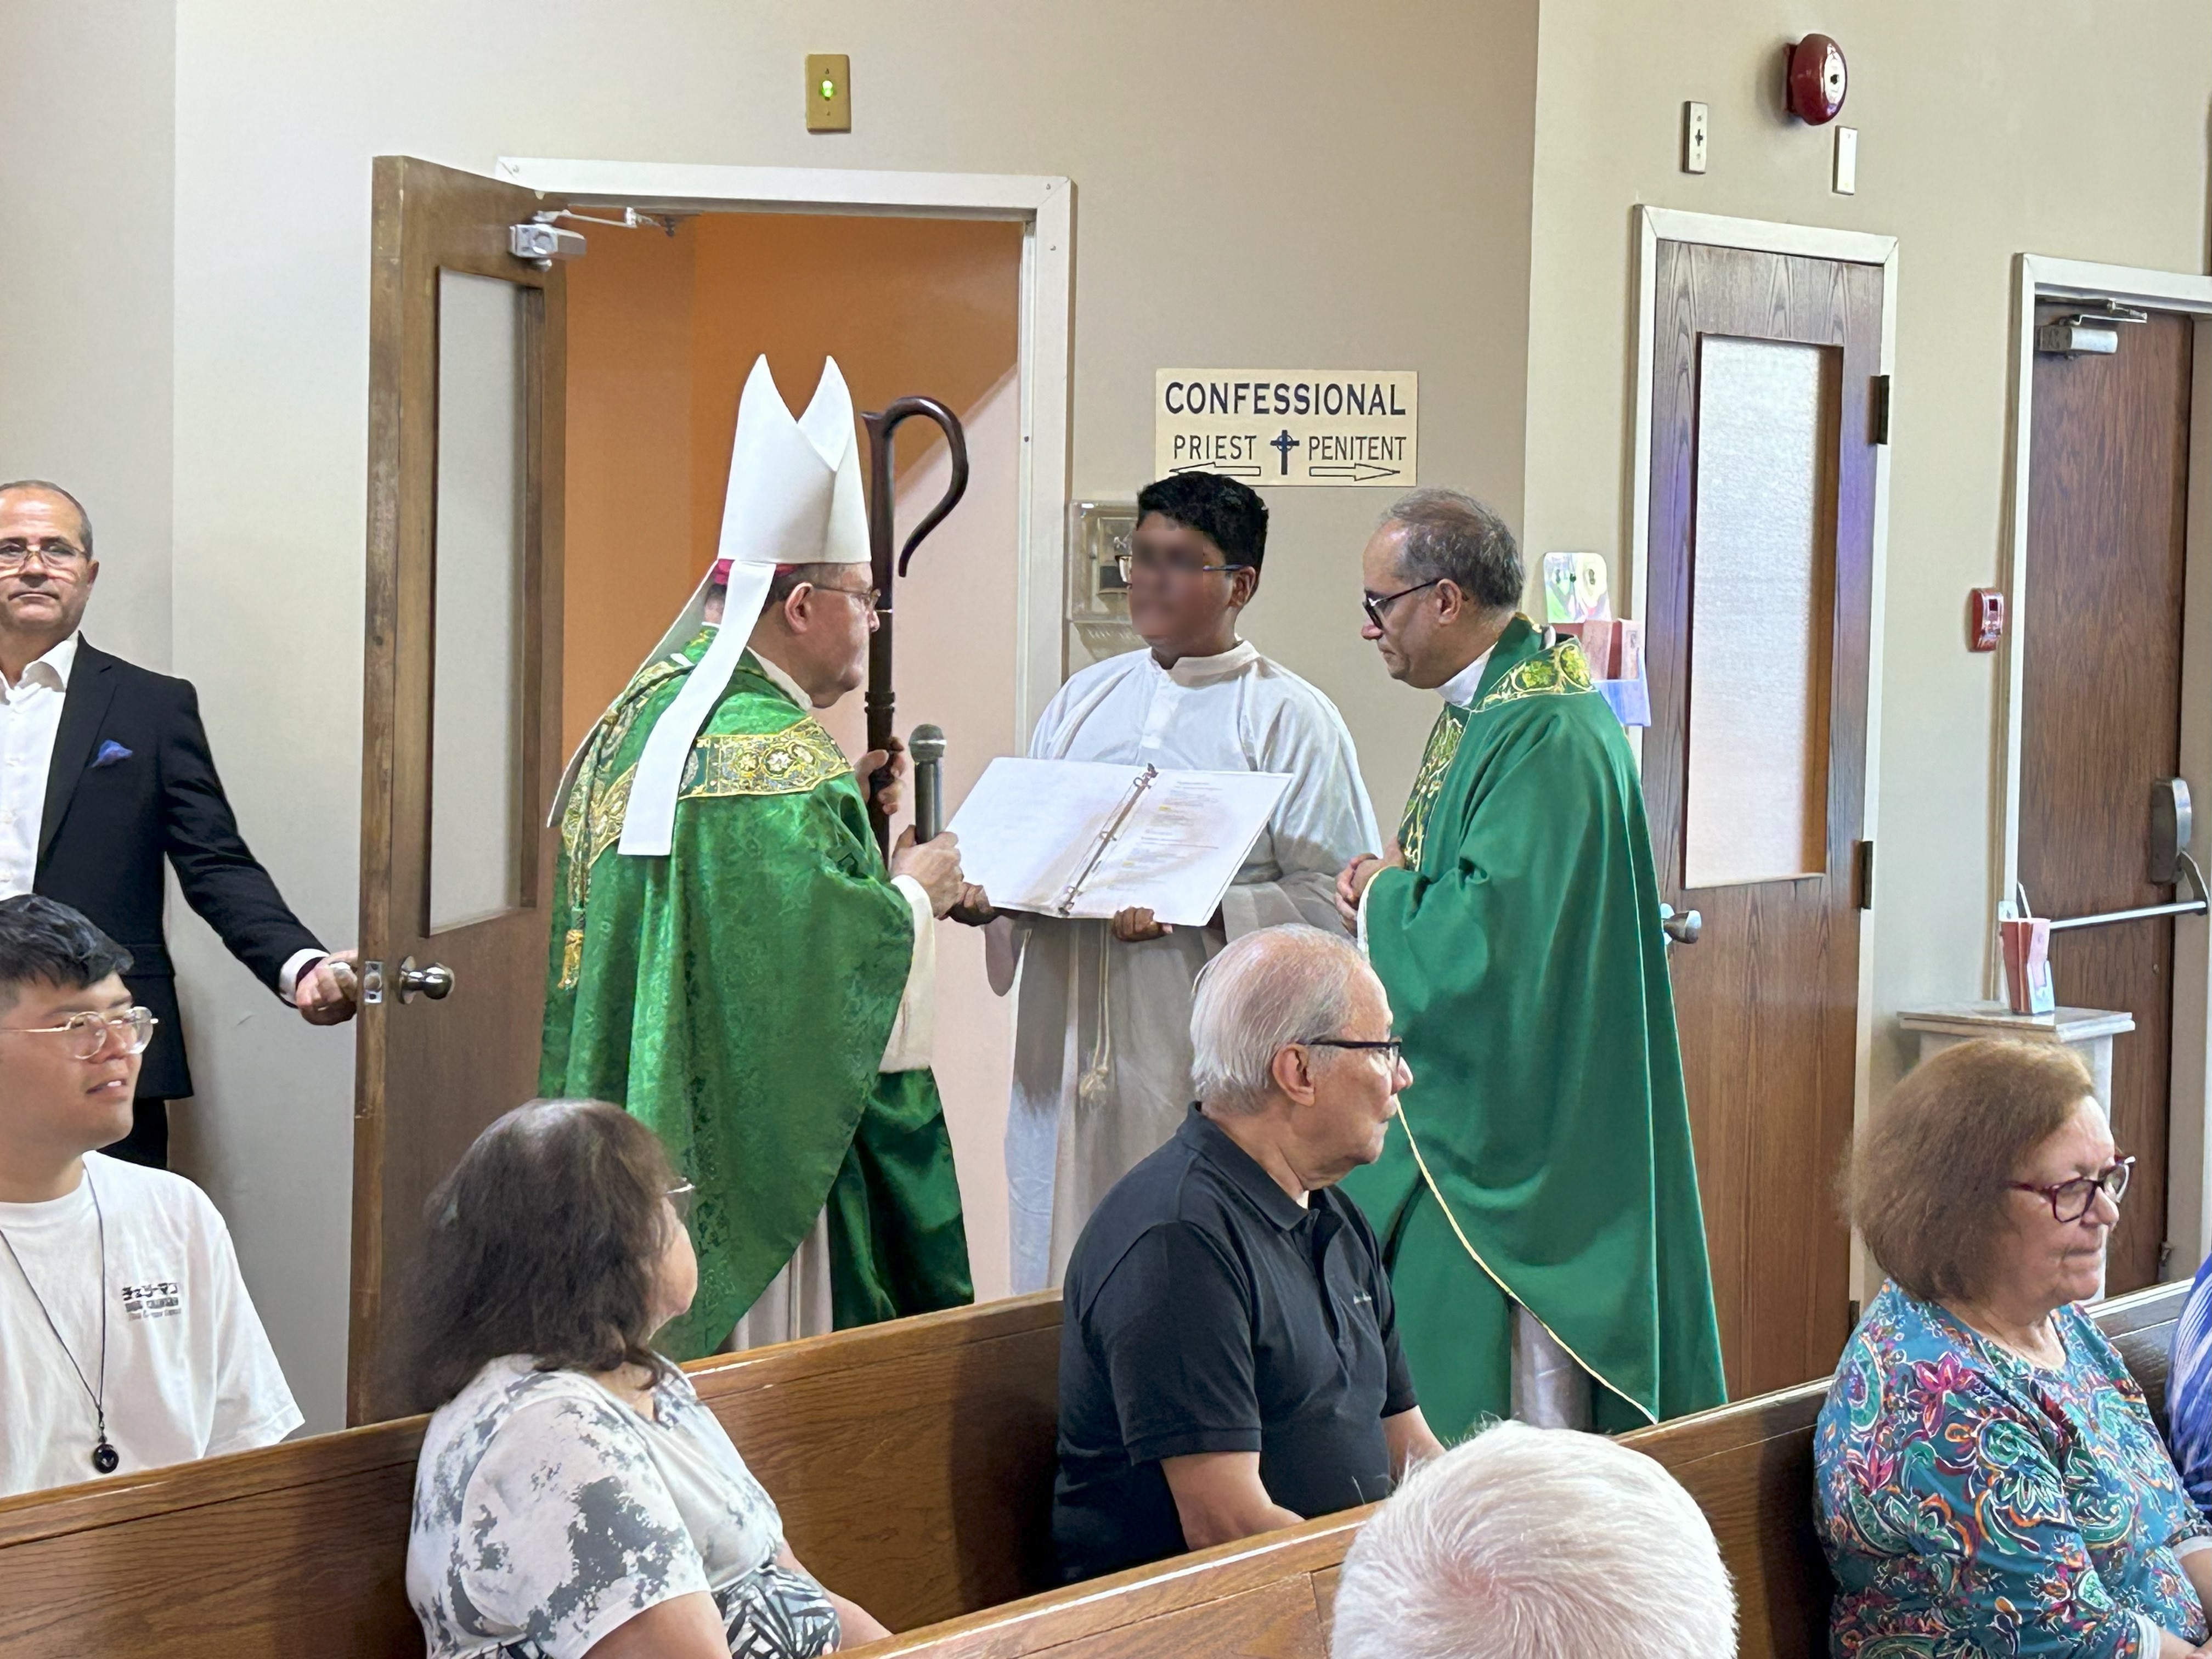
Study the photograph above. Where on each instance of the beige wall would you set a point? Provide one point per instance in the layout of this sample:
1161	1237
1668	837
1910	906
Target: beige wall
1291	184
86	210
1987	129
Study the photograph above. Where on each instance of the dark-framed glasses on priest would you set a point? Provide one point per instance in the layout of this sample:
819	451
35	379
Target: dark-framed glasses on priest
1376	604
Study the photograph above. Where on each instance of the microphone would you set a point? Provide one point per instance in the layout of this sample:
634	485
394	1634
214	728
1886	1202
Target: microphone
927	745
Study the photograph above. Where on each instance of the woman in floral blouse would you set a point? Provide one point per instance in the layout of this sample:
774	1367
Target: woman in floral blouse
1991	1480
574	1499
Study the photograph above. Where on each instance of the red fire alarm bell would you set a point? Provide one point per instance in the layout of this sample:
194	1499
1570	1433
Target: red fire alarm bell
1817	80
1984	619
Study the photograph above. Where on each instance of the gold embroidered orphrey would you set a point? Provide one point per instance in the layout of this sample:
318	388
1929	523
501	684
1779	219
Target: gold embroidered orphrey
1560	672
792	762
1429	782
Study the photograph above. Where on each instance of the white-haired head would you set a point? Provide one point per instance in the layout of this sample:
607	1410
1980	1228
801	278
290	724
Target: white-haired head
1523	1542
1268	990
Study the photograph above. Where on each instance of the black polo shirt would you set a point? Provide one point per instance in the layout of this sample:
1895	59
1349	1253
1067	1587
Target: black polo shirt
1206	1311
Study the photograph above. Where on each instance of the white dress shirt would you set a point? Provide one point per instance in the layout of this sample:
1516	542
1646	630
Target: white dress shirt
30	716
30	720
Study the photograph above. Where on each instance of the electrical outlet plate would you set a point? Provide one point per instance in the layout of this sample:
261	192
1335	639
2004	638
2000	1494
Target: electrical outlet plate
1847	161
1693	137
828	92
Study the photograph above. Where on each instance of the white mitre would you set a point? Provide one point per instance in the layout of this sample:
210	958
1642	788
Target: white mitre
794	498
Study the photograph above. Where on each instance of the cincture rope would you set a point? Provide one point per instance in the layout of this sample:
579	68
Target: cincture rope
1090	1089
1475	1256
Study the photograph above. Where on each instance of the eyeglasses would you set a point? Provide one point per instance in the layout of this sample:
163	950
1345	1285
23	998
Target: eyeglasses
1375	605
1391	1049
90	1034
2069	1201
1128	563
53	554
680	1199
870	598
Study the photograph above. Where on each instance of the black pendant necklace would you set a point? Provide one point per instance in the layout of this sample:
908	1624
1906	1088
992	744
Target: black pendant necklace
105	1458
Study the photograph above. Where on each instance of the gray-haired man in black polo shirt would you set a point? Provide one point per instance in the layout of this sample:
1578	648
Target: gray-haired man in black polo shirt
1228	1360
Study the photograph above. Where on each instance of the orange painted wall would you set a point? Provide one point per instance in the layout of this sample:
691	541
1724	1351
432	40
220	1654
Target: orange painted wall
662	332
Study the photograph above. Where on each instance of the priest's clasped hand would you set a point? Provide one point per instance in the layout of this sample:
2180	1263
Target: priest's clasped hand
935	864
892	796
1351	881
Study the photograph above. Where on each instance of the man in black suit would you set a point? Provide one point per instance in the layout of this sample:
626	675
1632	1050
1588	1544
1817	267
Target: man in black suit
105	771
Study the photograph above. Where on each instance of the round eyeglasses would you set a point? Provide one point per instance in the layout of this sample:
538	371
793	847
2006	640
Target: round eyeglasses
2069	1201
680	1199
90	1034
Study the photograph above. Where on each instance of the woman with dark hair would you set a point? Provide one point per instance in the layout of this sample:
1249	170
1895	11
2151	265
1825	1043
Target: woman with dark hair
1989	1480
573	1497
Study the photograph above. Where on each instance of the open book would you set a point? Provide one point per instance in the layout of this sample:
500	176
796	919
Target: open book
1083	838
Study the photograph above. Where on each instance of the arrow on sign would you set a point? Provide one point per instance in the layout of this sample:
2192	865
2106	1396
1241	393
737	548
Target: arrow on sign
1225	471
1359	473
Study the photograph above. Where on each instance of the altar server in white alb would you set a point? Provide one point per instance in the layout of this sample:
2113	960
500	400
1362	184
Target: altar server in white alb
1102	1045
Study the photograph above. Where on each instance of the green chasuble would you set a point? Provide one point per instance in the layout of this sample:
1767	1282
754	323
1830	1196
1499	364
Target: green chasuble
1543	1151
738	994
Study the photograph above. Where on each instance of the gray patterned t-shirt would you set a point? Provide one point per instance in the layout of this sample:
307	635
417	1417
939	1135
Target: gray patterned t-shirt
547	1513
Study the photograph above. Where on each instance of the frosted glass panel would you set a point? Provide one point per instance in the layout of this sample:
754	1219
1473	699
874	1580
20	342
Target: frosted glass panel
476	721
1761	581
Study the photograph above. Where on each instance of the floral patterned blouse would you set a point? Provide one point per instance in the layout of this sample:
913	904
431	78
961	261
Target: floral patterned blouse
547	1513
1973	1504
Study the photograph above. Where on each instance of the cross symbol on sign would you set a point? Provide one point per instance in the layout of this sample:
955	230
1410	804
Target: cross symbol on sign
1283	444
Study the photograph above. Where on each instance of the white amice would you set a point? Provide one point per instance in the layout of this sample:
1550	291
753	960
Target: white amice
1101	1038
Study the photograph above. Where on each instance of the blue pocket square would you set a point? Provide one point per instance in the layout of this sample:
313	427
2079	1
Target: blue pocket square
110	752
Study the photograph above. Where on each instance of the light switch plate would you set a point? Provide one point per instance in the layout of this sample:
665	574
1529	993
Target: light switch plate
1693	137
828	92
1847	161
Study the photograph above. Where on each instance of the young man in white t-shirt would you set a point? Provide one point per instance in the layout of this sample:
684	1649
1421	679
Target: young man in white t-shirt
127	1336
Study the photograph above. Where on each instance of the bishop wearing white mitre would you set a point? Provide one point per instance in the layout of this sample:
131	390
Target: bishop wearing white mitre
1101	1043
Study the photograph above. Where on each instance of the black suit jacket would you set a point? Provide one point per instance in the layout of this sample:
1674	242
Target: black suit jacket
132	782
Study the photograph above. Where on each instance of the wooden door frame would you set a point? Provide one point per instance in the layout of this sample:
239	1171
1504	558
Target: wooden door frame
2038	278
1655	225
1043	205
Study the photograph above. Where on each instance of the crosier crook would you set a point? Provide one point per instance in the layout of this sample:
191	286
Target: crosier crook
881	703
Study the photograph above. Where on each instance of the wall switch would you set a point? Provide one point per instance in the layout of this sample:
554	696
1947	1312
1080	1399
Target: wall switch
1847	161
1693	137
828	92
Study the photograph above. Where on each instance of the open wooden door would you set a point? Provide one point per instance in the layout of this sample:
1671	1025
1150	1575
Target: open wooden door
461	706
1757	618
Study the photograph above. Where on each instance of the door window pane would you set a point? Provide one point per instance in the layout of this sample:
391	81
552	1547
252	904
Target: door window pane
477	712
1761	585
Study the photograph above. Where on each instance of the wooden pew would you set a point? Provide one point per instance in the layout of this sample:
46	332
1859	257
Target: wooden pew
1749	1466
913	1463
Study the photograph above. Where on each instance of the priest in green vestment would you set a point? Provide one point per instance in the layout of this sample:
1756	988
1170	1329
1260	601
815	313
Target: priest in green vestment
730	960
1539	1204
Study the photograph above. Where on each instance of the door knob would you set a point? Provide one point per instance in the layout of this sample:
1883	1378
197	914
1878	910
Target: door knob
1683	929
432	979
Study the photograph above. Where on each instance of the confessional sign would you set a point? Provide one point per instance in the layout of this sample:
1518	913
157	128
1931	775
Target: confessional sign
1273	427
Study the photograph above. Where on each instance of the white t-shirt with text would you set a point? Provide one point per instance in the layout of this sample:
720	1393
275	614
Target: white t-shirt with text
189	1370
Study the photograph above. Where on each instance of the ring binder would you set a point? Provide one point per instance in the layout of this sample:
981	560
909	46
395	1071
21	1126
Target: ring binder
1106	838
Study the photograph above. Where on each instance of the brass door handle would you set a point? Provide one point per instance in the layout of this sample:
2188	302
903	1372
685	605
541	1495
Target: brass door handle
1683	929
432	979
